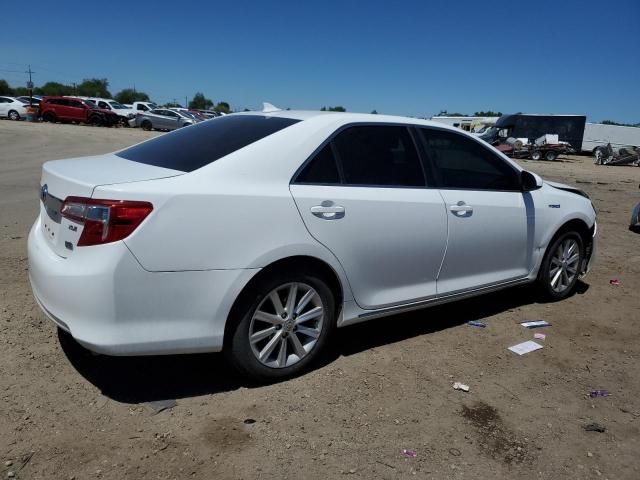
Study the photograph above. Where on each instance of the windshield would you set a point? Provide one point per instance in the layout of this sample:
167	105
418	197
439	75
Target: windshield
188	149
490	135
117	106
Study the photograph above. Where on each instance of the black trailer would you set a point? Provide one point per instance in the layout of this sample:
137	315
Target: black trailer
569	128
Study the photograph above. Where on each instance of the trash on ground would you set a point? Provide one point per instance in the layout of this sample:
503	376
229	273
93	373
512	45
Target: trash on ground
248	421
595	427
535	324
476	323
525	347
410	452
455	452
461	386
158	406
599	393
539	336
614	281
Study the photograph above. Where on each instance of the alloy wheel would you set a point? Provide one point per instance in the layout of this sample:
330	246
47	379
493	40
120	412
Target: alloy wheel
286	325
563	267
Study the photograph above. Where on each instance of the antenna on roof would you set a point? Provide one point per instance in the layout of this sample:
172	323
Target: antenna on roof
268	108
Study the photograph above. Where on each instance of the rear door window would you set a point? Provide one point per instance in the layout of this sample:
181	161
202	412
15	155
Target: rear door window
322	169
191	148
379	155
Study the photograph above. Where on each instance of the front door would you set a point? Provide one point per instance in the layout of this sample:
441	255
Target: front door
364	196
490	220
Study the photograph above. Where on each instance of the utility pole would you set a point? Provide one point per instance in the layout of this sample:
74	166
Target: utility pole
186	102
74	88
30	86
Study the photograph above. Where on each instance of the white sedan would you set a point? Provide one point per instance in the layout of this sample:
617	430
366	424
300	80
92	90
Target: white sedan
259	233
12	108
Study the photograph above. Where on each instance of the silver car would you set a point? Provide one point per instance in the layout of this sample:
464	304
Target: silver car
161	119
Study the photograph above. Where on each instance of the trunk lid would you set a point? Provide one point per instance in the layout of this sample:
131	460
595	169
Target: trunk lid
79	177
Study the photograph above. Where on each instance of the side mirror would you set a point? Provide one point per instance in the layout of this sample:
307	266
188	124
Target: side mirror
529	181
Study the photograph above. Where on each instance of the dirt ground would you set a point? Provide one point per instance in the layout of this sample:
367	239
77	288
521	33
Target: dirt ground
386	385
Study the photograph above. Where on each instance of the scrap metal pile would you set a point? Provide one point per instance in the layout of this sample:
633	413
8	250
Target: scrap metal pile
617	156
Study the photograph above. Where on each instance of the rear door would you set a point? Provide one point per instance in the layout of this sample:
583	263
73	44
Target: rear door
4	106
490	220
364	196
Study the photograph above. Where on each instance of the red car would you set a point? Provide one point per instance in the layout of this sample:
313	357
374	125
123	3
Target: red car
71	109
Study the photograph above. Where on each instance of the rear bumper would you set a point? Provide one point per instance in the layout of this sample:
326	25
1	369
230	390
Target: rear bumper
111	305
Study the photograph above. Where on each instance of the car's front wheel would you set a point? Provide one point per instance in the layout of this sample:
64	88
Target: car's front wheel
561	266
283	326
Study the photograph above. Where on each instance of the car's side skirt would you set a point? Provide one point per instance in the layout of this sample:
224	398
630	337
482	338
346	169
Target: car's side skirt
383	312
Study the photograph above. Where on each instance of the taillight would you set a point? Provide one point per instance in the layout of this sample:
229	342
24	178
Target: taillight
104	221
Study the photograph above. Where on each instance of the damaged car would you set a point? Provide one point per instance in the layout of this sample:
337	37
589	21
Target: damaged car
259	233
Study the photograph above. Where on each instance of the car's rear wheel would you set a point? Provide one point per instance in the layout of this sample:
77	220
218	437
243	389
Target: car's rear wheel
284	328
49	117
537	155
146	125
561	265
13	115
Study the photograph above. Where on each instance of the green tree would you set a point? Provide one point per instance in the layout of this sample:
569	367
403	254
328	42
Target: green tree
374	111
5	89
54	88
172	105
129	95
199	101
94	87
20	91
489	113
333	109
222	107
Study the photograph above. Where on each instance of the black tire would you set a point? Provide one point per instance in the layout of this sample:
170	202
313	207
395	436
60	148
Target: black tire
13	115
49	117
238	349
95	120
536	155
146	125
551	155
545	274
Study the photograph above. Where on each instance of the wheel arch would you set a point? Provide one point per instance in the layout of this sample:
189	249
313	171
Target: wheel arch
574	224
313	264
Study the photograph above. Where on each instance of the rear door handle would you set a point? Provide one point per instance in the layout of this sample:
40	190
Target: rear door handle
461	208
328	211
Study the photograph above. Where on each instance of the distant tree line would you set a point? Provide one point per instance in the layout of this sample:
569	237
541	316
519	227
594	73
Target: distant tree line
609	122
488	113
99	87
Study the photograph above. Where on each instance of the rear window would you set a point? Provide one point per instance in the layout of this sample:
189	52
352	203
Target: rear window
190	148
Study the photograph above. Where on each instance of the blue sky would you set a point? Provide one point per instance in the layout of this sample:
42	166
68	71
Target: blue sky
404	57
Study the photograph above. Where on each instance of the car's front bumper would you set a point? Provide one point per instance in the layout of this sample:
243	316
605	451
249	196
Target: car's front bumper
111	305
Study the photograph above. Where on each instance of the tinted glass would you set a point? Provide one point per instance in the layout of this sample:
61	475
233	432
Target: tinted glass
191	148
379	155
464	163
321	169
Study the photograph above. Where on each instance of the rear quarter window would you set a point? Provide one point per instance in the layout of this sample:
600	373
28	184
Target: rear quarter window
188	149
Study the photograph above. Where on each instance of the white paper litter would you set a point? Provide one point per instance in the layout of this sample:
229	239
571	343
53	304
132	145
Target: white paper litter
535	323
525	347
461	386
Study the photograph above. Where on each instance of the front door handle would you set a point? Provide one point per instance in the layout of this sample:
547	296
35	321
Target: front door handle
328	211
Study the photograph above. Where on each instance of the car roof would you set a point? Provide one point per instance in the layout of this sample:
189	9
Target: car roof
348	117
